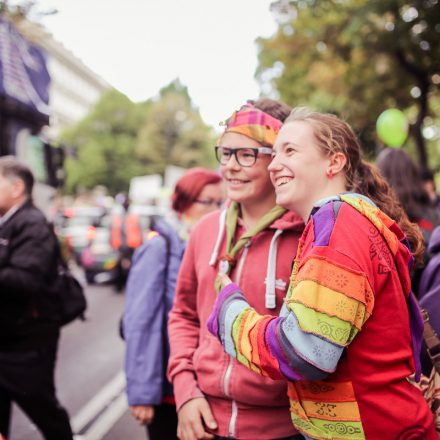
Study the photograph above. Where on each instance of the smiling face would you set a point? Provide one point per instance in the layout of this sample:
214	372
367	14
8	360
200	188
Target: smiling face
299	168
246	185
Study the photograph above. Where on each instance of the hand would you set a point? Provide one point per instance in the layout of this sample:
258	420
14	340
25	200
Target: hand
144	414
224	279
194	415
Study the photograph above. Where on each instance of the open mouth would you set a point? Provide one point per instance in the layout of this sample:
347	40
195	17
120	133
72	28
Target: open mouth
280	181
237	181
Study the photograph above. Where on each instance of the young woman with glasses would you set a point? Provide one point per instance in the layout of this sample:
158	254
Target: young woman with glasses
348	336
254	241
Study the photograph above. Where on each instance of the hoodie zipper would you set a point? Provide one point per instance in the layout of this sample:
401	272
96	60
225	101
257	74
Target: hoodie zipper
228	373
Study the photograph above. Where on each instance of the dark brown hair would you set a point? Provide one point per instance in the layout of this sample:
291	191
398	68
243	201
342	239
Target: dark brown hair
277	109
190	185
334	135
11	168
404	177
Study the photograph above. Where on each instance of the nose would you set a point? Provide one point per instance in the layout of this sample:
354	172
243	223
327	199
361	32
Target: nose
274	165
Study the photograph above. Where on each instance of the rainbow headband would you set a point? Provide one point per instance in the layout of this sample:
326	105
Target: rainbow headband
254	123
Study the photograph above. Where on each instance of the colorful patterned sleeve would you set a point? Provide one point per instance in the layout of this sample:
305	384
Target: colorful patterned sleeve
326	306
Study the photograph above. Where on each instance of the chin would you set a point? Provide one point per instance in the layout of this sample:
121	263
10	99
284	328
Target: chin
285	202
236	197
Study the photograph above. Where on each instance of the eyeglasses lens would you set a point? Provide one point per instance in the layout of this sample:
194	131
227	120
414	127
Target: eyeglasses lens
245	157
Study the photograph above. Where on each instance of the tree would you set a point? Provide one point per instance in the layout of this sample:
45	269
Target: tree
119	140
104	145
24	9
356	58
174	132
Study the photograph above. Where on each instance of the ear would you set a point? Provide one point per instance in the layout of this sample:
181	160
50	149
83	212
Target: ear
18	188
337	163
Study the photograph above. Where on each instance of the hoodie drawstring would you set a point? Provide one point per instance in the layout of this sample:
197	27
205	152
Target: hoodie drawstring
270	297
220	234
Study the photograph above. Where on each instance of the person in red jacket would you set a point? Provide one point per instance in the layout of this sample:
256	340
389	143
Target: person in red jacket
348	336
254	241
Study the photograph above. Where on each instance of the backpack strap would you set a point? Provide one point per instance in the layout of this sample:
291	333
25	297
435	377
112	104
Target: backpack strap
432	341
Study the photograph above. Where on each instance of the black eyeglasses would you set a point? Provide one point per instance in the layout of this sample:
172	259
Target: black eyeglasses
245	157
210	202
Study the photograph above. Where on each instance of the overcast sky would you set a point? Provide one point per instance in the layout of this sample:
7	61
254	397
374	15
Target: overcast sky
139	46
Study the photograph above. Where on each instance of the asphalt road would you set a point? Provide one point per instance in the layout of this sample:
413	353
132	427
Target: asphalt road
89	378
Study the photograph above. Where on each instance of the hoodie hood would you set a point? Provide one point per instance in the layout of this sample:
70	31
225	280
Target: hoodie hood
390	231
288	221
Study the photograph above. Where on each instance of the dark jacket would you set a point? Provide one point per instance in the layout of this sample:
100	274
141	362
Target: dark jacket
28	316
148	299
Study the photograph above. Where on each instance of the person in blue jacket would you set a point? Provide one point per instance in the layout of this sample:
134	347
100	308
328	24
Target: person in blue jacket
149	297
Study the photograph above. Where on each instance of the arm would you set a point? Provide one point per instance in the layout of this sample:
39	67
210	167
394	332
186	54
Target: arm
326	305
28	267
183	330
143	324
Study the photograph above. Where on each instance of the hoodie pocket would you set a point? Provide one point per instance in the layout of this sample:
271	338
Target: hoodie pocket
210	362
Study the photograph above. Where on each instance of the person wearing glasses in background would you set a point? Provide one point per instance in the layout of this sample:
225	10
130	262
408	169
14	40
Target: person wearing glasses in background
149	295
254	241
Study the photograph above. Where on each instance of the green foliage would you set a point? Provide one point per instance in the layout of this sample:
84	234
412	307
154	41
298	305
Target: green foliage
105	145
119	140
174	133
356	58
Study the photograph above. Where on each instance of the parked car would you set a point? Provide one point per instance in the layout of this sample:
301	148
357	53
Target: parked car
75	225
98	259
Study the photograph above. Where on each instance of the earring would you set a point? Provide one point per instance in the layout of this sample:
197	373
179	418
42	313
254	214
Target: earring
329	173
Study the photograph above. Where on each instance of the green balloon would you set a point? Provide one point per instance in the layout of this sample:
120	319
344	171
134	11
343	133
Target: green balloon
392	127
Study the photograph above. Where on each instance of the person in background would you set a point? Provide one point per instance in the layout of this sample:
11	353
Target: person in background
405	178
125	237
29	322
149	295
348	335
254	241
429	184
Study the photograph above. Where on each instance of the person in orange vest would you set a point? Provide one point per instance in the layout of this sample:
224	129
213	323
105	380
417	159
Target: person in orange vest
126	236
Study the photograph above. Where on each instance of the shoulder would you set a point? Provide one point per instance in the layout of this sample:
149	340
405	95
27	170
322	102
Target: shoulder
340	233
336	220
30	217
155	243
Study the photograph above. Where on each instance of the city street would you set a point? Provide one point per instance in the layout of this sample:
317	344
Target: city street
89	376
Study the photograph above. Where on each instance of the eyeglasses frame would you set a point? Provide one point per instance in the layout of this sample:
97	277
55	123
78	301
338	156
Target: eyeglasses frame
218	203
256	151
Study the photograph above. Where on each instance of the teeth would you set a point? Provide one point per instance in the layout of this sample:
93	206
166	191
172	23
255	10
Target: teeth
235	181
283	180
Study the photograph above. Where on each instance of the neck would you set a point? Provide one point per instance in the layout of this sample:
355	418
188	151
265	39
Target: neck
17	203
251	213
336	187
